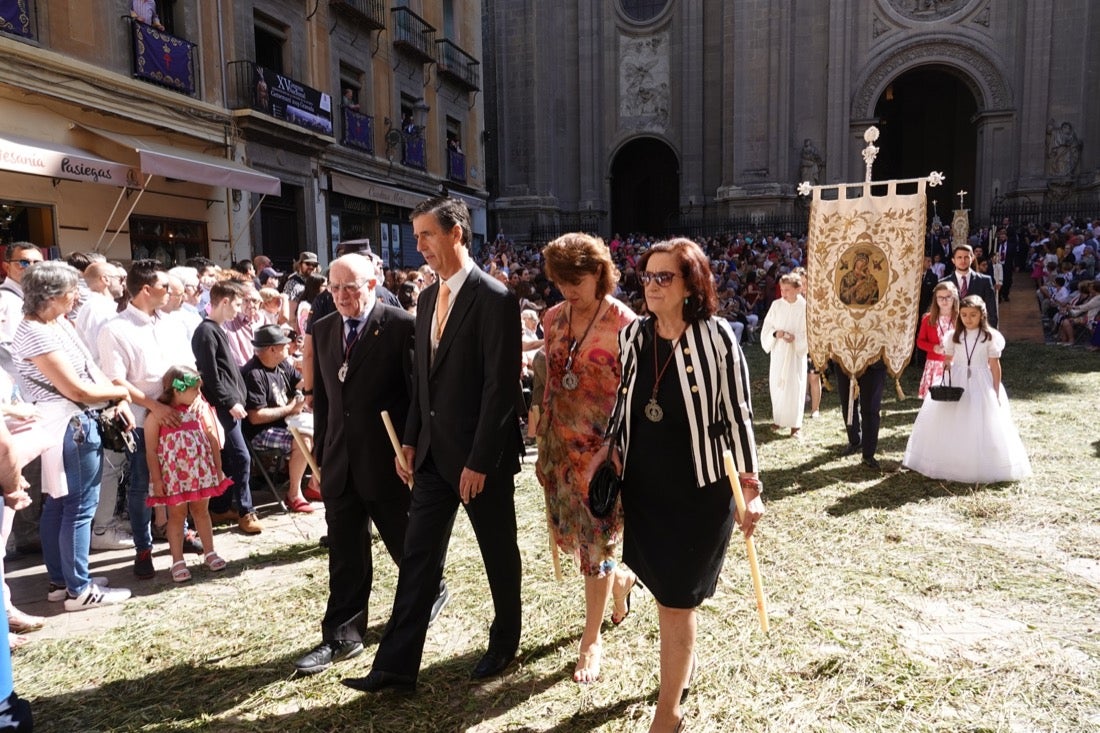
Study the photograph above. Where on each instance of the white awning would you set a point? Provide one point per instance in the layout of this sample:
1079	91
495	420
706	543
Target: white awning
188	165
55	160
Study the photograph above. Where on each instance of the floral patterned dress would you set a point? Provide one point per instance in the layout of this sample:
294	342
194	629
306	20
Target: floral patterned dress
571	431
186	463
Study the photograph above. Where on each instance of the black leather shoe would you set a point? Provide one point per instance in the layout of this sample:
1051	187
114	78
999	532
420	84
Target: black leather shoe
440	601
492	664
380	681
851	450
870	462
322	656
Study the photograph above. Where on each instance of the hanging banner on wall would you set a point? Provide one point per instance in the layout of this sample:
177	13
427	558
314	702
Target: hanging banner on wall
284	98
162	58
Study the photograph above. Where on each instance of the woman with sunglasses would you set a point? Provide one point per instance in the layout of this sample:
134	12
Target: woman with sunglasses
582	373
58	374
683	401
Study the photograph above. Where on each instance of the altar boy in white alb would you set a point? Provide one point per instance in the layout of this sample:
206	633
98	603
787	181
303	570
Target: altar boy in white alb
783	335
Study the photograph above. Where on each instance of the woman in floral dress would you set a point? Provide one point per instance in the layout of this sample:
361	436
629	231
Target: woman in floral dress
582	358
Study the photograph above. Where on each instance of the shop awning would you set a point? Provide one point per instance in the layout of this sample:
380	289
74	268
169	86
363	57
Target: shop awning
56	160
158	159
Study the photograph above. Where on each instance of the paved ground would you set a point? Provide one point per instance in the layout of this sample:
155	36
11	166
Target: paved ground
27	577
1019	318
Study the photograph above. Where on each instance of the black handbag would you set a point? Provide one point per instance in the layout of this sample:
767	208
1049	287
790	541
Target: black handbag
945	392
603	489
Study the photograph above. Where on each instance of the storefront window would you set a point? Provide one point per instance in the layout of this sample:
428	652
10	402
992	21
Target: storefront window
23	222
168	241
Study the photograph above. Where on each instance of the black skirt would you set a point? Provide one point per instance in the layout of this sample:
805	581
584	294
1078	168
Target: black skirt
675	534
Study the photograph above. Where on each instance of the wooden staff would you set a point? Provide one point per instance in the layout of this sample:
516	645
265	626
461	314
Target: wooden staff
305	451
553	546
750	546
397	445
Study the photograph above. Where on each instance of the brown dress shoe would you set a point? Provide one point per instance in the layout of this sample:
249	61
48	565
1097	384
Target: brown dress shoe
227	517
250	524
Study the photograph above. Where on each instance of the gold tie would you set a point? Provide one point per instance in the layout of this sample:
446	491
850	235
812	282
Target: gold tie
442	304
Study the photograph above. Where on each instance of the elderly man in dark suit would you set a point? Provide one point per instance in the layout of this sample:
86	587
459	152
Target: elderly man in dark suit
362	361
463	441
971	282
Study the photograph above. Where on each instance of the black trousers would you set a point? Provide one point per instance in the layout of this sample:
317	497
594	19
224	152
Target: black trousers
350	563
435	502
865	417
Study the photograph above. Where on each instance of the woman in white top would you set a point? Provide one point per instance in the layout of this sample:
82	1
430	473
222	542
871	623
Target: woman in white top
58	374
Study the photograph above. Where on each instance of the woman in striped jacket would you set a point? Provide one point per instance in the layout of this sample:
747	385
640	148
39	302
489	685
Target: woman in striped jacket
683	400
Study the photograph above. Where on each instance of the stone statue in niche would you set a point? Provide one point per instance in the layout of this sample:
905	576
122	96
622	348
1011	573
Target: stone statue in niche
811	163
644	78
1063	149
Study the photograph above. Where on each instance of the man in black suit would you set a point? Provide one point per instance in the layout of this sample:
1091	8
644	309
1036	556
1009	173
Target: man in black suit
462	439
362	364
971	282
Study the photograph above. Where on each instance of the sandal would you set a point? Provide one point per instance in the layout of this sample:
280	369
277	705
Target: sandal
21	623
587	670
616	620
180	573
214	561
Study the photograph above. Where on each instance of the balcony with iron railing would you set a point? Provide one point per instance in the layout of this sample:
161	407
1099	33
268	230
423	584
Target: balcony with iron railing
413	35
456	166
160	58
19	18
252	86
458	65
370	13
358	130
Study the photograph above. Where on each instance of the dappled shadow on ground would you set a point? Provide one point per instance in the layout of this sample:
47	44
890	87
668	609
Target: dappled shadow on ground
181	694
904	487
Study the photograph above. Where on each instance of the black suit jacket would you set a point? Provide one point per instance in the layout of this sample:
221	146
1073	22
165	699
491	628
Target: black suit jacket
350	440
464	400
979	284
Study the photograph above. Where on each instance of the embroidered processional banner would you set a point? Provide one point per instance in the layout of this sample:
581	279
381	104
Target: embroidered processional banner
865	249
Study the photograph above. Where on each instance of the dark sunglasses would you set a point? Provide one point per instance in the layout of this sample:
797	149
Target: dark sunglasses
664	279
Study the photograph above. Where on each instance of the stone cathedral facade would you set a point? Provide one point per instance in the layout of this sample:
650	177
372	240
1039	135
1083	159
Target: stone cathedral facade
632	115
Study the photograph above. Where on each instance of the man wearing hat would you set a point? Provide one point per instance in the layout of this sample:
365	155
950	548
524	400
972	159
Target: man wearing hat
271	396
296	283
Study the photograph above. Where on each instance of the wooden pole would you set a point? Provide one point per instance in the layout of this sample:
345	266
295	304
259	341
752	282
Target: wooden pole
308	453
396	445
750	546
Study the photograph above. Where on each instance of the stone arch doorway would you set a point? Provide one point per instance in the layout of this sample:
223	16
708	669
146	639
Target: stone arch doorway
927	118
645	187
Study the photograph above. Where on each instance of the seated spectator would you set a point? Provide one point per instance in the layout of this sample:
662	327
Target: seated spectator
1082	312
273	395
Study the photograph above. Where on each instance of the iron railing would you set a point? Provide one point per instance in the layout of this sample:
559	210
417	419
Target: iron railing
458	65
413	35
370	13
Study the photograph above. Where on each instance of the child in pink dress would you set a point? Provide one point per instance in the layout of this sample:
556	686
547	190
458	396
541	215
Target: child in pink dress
936	327
185	466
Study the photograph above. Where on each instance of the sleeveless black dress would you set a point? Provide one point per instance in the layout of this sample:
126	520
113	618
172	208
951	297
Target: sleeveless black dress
675	534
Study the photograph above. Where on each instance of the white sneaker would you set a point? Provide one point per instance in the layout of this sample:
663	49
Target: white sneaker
57	593
94	597
815	414
111	537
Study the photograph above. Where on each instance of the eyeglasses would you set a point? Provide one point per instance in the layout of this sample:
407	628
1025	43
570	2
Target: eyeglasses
351	288
24	263
664	279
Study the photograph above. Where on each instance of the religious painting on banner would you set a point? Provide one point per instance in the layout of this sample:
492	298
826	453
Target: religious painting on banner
866	255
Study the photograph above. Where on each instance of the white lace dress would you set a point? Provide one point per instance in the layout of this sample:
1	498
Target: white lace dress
973	440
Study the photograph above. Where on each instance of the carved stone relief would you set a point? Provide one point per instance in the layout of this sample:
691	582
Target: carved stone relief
983	78
644	81
926	10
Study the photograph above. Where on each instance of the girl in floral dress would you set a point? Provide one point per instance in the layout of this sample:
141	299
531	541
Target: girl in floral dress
936	327
185	466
